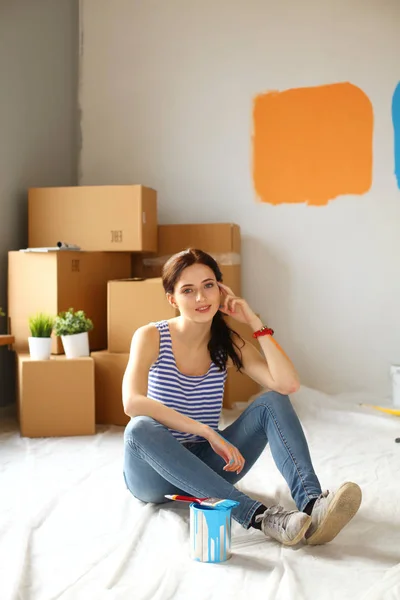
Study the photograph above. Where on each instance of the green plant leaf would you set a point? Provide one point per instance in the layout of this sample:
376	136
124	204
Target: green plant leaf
70	323
41	325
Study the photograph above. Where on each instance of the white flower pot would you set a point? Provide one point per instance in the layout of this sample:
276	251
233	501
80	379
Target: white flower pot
76	345
39	348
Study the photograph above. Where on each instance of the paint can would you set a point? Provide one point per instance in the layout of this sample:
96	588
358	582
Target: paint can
210	533
395	376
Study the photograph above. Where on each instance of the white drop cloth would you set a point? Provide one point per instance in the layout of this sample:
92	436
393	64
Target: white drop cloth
69	529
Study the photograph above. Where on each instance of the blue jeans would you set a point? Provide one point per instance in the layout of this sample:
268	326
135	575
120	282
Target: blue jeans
155	463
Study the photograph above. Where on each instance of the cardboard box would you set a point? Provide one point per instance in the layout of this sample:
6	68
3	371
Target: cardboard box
102	218
240	387
109	369
56	396
52	282
132	304
221	240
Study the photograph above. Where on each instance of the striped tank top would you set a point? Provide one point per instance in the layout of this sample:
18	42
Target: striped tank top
196	396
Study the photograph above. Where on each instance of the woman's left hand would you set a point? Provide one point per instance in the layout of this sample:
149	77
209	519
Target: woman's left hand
234	306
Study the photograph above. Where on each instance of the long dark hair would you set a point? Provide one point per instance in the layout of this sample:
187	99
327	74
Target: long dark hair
223	343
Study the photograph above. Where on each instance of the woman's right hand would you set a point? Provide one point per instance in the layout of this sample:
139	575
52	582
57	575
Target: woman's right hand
231	455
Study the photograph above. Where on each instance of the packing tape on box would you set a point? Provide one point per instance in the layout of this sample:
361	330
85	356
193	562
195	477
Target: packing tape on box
224	259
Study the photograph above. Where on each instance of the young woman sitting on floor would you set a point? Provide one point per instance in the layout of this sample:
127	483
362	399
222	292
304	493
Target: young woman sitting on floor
173	389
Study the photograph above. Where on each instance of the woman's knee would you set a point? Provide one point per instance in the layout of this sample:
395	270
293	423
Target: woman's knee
139	491
148	496
271	398
139	428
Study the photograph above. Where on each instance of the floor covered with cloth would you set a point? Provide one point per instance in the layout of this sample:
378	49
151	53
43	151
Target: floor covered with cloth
69	529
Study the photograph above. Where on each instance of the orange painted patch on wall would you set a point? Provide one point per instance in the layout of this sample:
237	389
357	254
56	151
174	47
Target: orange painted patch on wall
312	144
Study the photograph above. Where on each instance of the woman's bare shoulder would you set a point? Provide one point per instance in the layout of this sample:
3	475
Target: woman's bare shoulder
146	342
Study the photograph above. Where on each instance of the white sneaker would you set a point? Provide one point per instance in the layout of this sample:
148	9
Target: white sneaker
288	527
331	512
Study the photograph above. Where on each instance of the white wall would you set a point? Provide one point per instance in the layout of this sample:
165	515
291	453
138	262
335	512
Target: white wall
166	97
38	122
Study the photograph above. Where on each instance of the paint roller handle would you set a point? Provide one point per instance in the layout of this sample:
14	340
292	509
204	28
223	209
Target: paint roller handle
184	498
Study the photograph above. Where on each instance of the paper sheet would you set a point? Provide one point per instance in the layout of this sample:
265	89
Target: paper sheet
69	529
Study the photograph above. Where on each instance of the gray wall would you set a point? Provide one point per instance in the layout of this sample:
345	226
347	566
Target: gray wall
38	122
167	95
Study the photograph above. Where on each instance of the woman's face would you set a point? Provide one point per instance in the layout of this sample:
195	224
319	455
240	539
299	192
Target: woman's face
196	294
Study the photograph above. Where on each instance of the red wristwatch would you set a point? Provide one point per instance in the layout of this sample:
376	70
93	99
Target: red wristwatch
263	331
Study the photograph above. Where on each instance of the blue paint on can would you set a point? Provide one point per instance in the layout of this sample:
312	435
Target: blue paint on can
211	532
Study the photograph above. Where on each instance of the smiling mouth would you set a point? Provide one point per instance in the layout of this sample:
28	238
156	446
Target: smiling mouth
203	308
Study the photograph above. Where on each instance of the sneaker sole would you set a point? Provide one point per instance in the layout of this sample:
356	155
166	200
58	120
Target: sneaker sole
341	510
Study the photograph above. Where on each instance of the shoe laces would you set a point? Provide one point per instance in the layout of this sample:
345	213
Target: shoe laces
276	515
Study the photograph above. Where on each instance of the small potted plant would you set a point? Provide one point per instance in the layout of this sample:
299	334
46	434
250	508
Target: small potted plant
41	327
73	328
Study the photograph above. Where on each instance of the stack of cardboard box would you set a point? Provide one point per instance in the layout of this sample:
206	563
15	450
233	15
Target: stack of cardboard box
57	397
116	280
